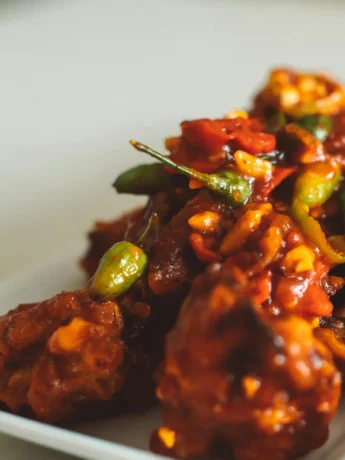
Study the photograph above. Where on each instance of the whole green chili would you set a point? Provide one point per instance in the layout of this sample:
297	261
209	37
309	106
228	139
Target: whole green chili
317	182
122	265
229	184
145	179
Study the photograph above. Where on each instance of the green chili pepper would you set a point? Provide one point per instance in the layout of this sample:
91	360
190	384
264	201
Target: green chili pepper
231	185
312	230
318	125
120	267
313	188
276	122
145	179
317	183
123	264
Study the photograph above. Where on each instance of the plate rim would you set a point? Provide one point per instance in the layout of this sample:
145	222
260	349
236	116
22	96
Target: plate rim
68	441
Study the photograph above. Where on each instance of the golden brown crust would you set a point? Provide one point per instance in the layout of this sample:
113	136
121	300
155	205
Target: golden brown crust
60	354
238	380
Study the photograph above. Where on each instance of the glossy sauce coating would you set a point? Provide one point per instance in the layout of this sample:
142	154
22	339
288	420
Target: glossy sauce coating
238	381
61	354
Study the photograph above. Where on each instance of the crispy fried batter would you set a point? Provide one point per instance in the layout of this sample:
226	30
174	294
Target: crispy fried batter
67	355
61	354
238	380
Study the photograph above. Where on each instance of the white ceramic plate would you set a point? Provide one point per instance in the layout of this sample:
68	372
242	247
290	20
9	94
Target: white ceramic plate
121	438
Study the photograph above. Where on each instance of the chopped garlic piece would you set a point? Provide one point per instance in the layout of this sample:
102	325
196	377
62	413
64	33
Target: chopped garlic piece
204	221
299	259
251	165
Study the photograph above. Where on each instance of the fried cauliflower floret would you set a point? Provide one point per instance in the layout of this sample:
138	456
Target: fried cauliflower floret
59	355
237	381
